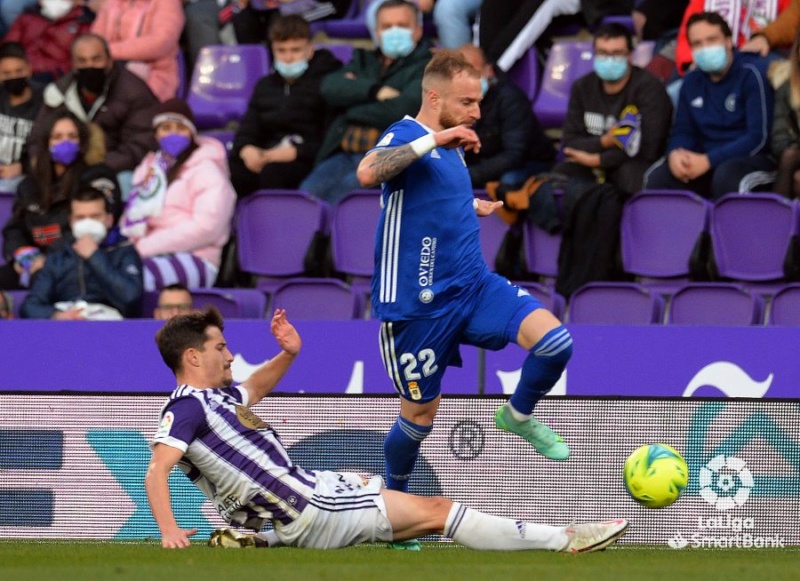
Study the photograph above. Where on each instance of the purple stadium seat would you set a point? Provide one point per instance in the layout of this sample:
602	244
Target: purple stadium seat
234	303
625	20
552	301
352	25
274	231
17	297
6	204
568	60
525	74
785	306
541	248
493	230
615	303
223	81
715	303
343	52
750	234
355	219
318	298
659	231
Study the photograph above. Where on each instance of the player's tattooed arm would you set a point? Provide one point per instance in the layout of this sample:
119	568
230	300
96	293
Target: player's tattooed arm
388	163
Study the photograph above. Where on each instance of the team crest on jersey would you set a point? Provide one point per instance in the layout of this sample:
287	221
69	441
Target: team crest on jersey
730	102
250	420
426	295
165	425
387	139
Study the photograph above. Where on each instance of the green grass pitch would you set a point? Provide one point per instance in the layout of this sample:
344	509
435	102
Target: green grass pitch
87	561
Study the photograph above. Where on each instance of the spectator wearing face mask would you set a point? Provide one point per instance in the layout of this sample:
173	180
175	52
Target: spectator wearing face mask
180	208
93	273
46	32
68	159
286	119
19	104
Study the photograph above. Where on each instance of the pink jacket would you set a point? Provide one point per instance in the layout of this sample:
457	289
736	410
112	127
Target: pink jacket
145	32
198	208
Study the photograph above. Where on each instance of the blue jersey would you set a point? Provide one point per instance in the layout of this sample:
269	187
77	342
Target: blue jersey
427	246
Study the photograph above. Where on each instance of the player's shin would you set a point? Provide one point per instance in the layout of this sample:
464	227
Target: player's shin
542	367
486	532
401	448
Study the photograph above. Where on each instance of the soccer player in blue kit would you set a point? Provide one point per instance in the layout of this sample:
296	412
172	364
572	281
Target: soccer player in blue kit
432	289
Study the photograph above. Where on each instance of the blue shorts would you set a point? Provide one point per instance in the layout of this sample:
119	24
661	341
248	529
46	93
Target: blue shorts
416	352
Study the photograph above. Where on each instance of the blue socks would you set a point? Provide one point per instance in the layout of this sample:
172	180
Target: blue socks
400	449
542	367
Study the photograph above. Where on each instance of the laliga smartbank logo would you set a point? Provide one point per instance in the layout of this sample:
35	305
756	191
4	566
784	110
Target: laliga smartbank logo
725	484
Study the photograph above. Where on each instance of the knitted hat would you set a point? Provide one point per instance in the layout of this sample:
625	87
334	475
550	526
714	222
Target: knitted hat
175	110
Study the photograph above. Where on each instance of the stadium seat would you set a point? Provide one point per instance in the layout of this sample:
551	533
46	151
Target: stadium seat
567	61
625	20
751	234
659	232
541	247
353	225
234	303
6	205
318	298
525	74
615	303
274	231
715	304
493	231
222	82
352	25
343	52
785	306
553	302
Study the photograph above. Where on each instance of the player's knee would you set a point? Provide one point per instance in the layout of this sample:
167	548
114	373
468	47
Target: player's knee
555	347
415	431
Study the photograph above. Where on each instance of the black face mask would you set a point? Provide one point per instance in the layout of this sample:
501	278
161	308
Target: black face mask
91	79
16	86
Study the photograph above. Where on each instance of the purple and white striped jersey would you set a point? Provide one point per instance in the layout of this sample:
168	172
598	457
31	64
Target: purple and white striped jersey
234	457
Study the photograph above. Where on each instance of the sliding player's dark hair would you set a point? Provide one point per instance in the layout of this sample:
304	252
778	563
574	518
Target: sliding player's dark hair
184	332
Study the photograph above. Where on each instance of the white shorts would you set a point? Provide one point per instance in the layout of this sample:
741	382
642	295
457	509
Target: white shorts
345	510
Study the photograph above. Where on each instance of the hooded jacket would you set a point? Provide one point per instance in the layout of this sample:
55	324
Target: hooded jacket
198	206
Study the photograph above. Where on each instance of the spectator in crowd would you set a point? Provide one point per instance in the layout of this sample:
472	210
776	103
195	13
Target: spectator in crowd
144	34
720	136
67	161
454	19
375	89
6	306
201	28
280	134
174	299
105	93
180	208
776	34
47	31
744	19
513	144
92	273
20	102
10	10
252	18
652	19
785	77
618	117
512	27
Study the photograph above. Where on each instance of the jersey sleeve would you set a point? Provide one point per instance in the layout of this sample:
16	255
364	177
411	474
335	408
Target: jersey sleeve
239	393
181	421
399	133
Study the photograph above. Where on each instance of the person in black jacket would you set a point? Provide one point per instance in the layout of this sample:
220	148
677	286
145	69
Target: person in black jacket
68	161
281	133
94	264
513	144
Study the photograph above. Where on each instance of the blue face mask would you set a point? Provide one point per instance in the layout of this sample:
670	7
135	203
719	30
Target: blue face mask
397	42
291	70
484	85
610	68
174	144
710	59
65	152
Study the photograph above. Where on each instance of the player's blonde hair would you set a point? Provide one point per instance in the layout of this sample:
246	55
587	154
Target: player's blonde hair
444	66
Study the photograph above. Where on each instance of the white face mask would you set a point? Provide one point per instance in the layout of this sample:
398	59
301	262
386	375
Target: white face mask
55	9
94	228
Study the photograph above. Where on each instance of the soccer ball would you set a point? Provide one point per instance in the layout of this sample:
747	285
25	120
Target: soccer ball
655	475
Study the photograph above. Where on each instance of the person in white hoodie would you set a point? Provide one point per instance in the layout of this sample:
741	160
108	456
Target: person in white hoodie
180	208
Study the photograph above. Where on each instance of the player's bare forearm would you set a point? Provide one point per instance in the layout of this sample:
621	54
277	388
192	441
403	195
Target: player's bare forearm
384	164
156	484
266	378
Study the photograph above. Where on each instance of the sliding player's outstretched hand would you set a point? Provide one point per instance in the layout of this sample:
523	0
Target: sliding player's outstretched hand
285	333
458	136
177	539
